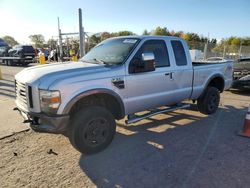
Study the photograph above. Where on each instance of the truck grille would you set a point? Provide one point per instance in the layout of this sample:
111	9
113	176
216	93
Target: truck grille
20	89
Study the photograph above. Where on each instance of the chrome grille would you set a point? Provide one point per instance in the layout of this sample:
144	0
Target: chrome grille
20	89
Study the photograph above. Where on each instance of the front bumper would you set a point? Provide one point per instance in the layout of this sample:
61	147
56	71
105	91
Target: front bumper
41	122
241	84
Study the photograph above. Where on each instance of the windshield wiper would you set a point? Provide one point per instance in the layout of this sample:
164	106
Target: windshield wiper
99	61
102	62
95	60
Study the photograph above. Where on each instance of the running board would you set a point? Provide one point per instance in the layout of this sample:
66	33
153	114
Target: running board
135	118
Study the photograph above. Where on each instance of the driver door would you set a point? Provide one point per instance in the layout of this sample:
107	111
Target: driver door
147	90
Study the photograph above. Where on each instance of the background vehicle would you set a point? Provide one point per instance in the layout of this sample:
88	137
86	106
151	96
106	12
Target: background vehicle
3	43
215	59
196	55
24	54
241	74
4	51
4	48
120	76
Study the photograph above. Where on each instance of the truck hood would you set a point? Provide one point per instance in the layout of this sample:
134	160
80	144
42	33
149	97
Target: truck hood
45	75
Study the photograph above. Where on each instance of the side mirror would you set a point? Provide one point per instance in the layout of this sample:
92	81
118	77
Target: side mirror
148	57
144	64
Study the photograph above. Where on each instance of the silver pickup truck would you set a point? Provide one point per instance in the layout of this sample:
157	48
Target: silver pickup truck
117	78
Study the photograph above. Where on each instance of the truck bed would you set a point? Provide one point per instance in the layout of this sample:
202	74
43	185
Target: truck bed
207	70
204	63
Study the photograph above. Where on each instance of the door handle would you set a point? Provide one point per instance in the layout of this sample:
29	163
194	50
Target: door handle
170	74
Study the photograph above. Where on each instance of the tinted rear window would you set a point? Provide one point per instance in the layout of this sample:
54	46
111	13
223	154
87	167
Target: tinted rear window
28	49
179	53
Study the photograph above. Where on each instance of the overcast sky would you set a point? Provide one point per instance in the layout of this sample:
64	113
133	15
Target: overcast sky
220	18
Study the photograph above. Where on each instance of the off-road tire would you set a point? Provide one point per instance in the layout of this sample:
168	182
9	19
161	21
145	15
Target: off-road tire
92	129
209	101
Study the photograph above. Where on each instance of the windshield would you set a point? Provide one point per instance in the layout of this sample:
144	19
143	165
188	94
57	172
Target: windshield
111	51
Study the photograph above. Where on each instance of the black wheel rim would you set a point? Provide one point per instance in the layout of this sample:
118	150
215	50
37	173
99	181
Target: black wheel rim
96	132
213	102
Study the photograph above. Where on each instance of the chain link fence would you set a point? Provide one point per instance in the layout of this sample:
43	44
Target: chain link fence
202	51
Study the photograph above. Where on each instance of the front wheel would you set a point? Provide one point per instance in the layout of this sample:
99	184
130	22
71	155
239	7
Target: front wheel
92	129
208	103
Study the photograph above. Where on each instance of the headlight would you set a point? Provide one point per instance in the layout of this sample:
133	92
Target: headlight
49	101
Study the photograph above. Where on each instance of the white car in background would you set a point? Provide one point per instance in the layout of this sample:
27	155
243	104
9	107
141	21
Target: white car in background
215	59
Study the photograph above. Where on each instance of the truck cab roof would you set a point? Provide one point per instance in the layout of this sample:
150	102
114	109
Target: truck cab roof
150	37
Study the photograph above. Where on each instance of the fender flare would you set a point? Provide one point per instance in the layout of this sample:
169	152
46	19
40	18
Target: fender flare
210	79
87	93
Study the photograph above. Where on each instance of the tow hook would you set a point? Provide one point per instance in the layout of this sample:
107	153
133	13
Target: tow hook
26	120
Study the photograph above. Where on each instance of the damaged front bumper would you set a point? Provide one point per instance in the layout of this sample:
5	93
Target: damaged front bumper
41	122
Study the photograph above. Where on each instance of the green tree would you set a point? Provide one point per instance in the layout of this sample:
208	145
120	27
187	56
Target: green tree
246	41
161	31
177	33
105	35
38	40
10	40
145	32
214	41
125	33
233	41
121	33
52	43
93	40
192	37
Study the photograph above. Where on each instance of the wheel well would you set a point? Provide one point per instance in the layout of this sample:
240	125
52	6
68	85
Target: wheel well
218	83
101	99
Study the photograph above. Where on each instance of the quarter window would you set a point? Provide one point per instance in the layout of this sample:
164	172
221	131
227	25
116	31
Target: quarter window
179	53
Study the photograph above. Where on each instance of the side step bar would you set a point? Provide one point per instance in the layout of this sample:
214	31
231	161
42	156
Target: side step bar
134	118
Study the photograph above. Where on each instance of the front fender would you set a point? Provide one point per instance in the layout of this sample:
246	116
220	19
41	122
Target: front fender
79	96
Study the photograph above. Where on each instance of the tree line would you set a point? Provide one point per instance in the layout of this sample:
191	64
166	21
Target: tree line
194	40
160	31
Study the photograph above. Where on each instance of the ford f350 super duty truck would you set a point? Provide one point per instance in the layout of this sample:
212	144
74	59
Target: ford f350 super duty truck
117	78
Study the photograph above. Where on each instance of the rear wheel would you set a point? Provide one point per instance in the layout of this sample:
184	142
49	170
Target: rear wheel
208	103
92	129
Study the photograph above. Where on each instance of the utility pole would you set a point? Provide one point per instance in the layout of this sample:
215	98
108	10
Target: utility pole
60	40
83	38
205	47
81	34
224	51
240	49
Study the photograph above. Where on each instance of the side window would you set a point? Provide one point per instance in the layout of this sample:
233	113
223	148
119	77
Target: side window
159	48
179	53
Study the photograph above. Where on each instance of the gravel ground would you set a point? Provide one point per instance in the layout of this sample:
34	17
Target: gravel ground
178	149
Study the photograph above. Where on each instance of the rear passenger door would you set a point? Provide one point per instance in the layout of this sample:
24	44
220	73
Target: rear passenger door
183	71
